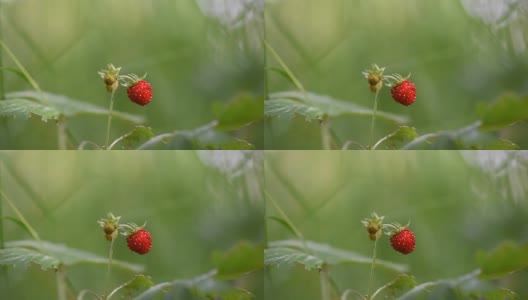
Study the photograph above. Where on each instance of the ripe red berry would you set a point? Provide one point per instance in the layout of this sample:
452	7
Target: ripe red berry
140	92
140	241
403	241
404	93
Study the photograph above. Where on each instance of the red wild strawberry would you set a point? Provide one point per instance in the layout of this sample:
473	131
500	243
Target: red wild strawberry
140	93
404	93
138	89
140	241
403	241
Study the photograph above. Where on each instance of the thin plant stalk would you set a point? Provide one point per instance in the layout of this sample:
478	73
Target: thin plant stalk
1	211
3	268
109	123
371	280
2	90
325	134
373	119
325	288
109	269
2	86
24	221
62	137
61	284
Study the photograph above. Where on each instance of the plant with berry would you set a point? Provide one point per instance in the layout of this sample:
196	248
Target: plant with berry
402	89
402	240
138	89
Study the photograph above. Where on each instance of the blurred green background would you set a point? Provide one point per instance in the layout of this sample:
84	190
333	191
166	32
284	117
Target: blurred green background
457	203
194	203
193	57
460	53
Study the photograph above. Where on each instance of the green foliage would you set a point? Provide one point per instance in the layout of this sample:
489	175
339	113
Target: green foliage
464	287
203	287
401	283
133	139
278	256
284	223
318	107
136	284
22	257
52	106
204	137
507	258
403	135
50	255
314	255
469	137
243	258
19	107
242	111
503	112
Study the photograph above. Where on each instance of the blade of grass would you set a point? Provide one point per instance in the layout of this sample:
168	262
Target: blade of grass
285	67
284	216
4	268
289	186
21	67
2	90
2	86
20	216
28	189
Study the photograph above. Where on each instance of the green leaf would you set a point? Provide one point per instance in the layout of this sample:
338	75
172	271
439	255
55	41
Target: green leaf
403	135
330	255
235	294
402	282
205	137
22	257
178	289
501	144
58	254
153	292
417	291
495	294
285	67
234	144
242	259
284	223
318	107
467	286
507	258
239	112
134	138
18	107
282	73
477	289
505	111
52	106
16	71
280	256
19	223
138	283
469	137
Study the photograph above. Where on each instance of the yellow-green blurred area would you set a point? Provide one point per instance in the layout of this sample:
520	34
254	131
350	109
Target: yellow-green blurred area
194	204
457	203
194	54
460	54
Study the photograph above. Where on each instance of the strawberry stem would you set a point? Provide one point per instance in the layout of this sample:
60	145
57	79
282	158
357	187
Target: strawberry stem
109	269
109	123
371	280
325	134
373	119
325	289
61	284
